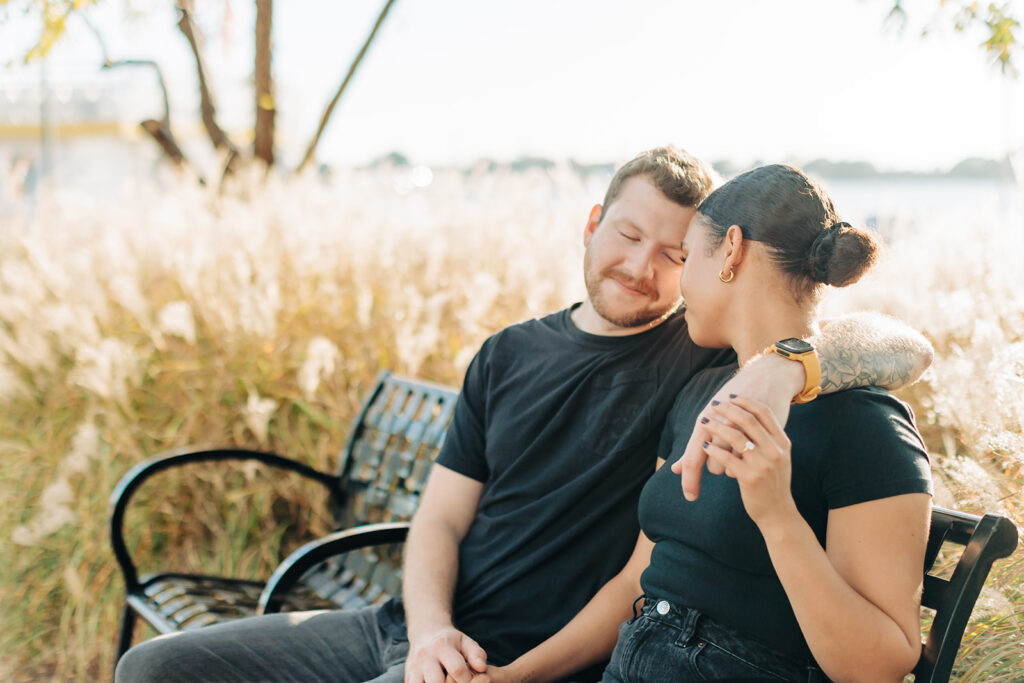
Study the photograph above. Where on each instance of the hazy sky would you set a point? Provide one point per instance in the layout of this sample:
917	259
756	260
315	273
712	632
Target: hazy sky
455	80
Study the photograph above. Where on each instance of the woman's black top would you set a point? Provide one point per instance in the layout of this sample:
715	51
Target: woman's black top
848	447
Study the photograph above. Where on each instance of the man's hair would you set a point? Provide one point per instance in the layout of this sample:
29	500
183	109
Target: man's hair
682	177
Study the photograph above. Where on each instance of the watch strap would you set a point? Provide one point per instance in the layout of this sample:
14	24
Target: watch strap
812	372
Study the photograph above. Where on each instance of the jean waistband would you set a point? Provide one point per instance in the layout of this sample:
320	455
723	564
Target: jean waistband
693	623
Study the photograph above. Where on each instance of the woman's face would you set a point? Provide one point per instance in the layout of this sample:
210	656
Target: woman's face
704	295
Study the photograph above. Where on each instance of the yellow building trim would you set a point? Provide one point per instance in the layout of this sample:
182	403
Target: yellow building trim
33	131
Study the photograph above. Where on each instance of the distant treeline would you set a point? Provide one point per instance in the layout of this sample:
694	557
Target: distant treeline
973	167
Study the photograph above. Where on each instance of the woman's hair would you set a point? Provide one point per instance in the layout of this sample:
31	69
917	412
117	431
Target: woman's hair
794	218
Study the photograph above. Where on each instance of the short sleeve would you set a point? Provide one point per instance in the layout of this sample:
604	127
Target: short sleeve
874	452
465	444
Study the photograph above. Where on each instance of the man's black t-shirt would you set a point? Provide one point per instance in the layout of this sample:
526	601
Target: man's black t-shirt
562	428
847	448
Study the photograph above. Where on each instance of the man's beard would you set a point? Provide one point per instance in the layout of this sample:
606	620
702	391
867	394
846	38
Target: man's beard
634	318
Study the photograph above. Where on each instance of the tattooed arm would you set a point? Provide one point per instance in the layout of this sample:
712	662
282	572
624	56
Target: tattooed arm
855	350
868	348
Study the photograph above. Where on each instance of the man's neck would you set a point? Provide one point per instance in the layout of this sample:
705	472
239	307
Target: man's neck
587	319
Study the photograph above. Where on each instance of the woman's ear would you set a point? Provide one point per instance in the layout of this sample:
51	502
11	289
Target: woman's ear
735	248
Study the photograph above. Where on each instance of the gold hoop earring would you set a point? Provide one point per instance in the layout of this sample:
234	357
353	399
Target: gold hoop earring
725	279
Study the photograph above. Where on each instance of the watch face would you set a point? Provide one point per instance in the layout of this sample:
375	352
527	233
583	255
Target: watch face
794	345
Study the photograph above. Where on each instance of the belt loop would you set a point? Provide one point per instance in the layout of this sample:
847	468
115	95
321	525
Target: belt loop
689	626
814	674
635	613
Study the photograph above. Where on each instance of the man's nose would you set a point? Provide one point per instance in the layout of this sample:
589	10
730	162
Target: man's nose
641	265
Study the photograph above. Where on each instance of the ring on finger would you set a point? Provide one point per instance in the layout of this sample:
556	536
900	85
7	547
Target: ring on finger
748	446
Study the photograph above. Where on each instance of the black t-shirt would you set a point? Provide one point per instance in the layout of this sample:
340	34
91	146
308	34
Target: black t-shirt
562	428
848	447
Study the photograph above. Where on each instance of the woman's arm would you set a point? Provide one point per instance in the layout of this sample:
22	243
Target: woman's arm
857	603
854	351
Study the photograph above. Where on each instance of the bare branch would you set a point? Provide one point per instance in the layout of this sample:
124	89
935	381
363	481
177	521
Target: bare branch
348	77
160	130
209	113
163	137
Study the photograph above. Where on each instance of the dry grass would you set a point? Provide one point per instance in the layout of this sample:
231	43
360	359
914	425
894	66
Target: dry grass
258	318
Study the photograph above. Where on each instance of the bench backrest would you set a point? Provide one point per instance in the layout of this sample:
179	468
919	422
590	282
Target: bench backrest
983	541
383	470
385	463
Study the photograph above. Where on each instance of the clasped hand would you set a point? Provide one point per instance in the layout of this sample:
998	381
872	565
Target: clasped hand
447	654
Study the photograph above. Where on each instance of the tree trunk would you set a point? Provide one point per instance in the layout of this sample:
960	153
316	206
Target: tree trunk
337	96
263	143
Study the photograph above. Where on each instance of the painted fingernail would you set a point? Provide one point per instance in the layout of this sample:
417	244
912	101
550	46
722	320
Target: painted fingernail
706	444
715	402
732	395
704	420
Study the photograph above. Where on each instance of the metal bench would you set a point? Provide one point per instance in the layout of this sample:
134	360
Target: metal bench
375	491
981	541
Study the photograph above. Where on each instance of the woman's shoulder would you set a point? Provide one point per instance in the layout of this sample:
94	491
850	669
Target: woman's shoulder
860	404
868	445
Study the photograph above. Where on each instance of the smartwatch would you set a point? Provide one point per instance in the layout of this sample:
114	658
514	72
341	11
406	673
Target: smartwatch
800	351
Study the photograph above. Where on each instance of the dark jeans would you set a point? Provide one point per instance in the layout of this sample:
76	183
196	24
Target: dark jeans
669	643
349	646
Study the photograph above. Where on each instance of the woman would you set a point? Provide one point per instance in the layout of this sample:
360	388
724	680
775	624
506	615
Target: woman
806	556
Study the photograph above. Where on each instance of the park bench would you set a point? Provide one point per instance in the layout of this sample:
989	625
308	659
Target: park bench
375	490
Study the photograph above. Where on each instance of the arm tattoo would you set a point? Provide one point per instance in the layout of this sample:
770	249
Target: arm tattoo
859	350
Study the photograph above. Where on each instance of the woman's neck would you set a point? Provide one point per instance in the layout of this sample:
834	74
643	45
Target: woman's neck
766	324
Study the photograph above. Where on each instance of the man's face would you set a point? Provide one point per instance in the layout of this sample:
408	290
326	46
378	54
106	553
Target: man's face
633	258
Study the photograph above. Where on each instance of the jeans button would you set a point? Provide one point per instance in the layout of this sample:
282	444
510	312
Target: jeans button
662	607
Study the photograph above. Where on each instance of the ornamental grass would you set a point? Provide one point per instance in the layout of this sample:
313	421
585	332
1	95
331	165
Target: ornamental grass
168	314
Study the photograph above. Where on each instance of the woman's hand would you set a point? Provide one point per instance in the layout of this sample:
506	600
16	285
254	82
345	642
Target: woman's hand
770	379
494	674
759	460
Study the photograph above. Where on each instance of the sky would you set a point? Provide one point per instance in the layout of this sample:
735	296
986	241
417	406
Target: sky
451	81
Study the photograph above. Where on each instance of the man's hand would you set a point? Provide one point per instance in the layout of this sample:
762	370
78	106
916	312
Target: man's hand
771	380
444	654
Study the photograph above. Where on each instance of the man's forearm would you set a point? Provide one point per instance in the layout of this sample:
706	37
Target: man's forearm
430	572
867	348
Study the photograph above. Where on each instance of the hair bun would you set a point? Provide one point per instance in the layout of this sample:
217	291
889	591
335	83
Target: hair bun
822	248
841	253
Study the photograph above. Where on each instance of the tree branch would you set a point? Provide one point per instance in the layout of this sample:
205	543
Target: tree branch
159	130
348	77
217	136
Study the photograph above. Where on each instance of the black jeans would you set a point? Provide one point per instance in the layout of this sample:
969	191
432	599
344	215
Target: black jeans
665	642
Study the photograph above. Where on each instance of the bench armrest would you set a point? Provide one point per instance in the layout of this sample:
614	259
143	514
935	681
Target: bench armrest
313	553
134	478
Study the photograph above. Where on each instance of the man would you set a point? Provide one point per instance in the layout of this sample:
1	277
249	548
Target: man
531	506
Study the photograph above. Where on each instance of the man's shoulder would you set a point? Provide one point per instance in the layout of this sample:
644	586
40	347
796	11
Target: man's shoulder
552	324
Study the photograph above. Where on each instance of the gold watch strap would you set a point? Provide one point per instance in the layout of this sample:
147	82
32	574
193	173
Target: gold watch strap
812	372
